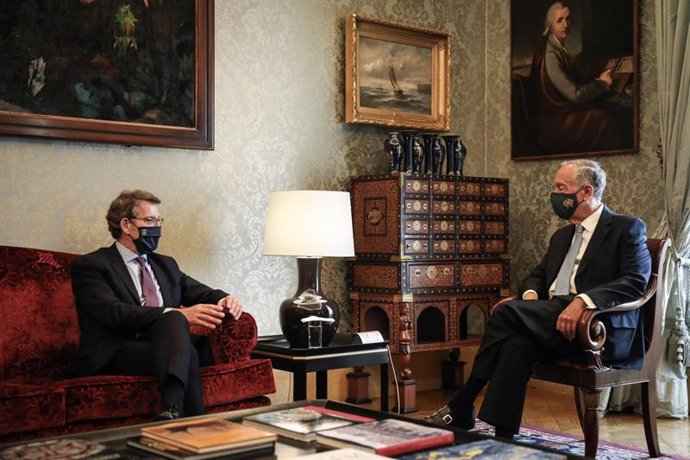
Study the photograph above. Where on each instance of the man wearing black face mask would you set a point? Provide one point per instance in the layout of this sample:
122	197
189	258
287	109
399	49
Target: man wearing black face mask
598	261
135	308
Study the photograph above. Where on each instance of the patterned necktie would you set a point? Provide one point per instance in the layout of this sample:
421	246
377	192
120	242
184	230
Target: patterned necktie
563	278
148	286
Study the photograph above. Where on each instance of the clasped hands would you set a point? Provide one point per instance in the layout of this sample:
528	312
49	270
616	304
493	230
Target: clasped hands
567	320
209	315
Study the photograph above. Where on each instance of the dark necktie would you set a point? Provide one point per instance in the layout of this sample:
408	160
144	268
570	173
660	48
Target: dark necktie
563	278
148	286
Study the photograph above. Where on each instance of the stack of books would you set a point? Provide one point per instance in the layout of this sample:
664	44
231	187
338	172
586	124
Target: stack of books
205	438
302	423
388	437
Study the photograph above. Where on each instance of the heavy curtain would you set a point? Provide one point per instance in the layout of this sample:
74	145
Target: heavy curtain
673	73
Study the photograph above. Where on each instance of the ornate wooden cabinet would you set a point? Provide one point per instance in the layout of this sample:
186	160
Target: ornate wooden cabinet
431	250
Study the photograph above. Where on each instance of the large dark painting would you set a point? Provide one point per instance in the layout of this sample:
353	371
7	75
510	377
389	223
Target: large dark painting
574	78
123	71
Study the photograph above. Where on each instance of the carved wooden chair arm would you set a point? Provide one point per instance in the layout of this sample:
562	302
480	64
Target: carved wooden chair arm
591	332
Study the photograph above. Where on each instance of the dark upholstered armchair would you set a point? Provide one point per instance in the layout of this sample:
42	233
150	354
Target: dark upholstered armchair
589	376
39	333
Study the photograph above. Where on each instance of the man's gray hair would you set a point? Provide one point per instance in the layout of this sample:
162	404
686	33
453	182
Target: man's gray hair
550	13
589	172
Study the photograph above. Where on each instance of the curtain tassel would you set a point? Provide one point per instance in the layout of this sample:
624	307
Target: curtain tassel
678	351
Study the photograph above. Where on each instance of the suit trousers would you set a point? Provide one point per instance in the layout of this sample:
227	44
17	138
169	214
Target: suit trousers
167	349
517	334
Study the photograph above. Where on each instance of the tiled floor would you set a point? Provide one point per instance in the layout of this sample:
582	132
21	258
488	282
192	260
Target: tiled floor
555	410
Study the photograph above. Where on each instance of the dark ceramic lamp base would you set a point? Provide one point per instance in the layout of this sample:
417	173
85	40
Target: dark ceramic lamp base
308	301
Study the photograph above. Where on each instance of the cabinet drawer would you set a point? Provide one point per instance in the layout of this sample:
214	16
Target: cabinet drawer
470	247
443	187
470	188
416	226
470	208
412	246
416	186
444	227
416	206
443	207
494	208
430	276
470	227
443	247
496	190
495	246
497	227
484	274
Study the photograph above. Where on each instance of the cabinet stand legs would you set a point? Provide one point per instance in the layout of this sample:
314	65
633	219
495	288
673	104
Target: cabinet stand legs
358	386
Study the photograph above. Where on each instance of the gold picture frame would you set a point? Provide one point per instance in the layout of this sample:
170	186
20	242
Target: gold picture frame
396	75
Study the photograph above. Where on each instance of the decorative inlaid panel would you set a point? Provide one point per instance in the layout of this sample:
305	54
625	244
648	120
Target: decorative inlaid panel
375	276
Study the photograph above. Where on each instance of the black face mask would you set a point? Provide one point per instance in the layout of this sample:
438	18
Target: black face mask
565	204
148	239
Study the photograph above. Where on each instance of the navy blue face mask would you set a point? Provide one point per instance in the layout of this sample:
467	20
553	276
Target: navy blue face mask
148	239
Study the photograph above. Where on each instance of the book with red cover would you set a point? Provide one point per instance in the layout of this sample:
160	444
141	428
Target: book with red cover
208	434
302	423
389	437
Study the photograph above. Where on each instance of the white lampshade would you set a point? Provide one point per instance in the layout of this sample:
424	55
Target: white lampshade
309	223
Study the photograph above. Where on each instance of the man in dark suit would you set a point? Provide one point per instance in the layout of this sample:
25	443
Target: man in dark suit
135	308
598	261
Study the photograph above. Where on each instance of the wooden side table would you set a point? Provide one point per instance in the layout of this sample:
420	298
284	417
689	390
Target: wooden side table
339	354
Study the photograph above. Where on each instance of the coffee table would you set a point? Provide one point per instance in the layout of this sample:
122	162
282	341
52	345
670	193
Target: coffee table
116	438
340	353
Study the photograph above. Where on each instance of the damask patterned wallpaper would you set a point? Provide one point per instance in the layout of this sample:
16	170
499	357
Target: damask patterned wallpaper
279	109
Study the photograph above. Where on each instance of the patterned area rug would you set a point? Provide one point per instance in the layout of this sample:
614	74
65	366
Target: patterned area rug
531	435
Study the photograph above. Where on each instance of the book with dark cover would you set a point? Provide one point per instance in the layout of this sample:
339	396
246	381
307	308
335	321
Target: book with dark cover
486	449
389	437
208	434
161	449
302	423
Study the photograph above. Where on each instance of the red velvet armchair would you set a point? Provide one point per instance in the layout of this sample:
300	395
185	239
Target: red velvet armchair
39	333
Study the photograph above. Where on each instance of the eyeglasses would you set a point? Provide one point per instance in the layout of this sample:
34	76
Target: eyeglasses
150	220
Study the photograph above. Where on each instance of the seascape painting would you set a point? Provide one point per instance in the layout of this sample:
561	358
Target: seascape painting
395	76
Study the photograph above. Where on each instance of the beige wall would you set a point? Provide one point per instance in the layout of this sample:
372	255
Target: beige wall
279	104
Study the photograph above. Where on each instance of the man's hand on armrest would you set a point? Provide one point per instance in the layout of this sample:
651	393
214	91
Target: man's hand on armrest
567	320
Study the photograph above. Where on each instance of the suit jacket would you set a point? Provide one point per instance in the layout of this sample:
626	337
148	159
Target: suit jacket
614	269
108	305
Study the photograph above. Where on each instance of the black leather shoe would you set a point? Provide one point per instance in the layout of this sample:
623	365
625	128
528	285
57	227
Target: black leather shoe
171	413
445	416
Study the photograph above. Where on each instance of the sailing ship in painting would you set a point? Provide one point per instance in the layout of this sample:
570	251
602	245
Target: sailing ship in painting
400	91
394	82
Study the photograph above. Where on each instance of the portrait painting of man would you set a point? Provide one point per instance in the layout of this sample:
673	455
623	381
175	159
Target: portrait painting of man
574	78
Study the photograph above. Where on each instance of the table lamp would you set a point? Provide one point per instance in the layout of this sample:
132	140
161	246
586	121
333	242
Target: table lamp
309	225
